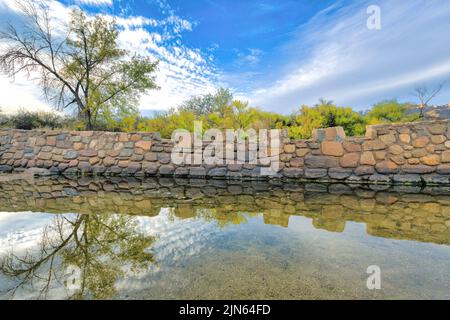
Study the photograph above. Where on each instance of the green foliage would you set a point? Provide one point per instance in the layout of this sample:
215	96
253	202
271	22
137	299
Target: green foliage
215	111
236	114
111	82
27	120
390	111
3	119
230	114
80	66
100	247
208	103
324	115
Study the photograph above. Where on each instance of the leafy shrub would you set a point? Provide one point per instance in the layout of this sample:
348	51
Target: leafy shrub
390	111
27	120
3	120
326	115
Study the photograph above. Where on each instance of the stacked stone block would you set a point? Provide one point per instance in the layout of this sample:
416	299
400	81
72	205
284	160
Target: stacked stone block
410	153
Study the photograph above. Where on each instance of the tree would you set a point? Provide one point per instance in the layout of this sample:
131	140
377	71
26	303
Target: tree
208	103
101	247
82	66
425	95
323	115
323	101
390	111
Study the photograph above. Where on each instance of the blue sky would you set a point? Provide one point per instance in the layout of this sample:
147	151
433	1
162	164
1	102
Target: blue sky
276	54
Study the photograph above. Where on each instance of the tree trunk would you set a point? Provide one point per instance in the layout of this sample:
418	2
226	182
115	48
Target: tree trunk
88	119
89	125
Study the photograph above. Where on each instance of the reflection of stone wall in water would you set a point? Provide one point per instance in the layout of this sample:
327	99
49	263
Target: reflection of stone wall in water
414	153
394	213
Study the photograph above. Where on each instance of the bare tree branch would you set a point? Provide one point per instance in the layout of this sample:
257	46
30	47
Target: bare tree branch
78	63
425	96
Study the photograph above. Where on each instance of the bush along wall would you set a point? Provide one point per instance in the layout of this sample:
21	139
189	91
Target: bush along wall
412	153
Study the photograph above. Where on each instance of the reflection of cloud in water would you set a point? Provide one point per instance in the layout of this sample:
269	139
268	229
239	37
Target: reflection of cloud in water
207	247
35	257
177	240
22	230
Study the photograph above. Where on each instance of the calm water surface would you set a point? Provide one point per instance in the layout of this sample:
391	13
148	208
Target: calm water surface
179	239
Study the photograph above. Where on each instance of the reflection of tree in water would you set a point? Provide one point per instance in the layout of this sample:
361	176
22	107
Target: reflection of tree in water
101	248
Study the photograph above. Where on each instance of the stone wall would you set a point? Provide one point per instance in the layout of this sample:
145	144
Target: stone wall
413	153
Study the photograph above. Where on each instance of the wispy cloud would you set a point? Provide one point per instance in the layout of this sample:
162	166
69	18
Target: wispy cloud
95	2
183	71
20	94
354	65
252	57
332	55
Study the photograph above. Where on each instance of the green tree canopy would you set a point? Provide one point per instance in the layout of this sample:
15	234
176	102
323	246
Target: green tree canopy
326	114
101	247
86	68
208	103
390	111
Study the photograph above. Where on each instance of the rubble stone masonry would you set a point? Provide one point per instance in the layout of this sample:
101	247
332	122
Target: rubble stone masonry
408	153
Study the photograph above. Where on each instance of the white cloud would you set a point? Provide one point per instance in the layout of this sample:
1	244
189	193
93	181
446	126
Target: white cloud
183	71
344	61
252	57
20	94
356	66
179	25
95	2
131	22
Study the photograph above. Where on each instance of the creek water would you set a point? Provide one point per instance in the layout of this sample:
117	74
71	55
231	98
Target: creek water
122	238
